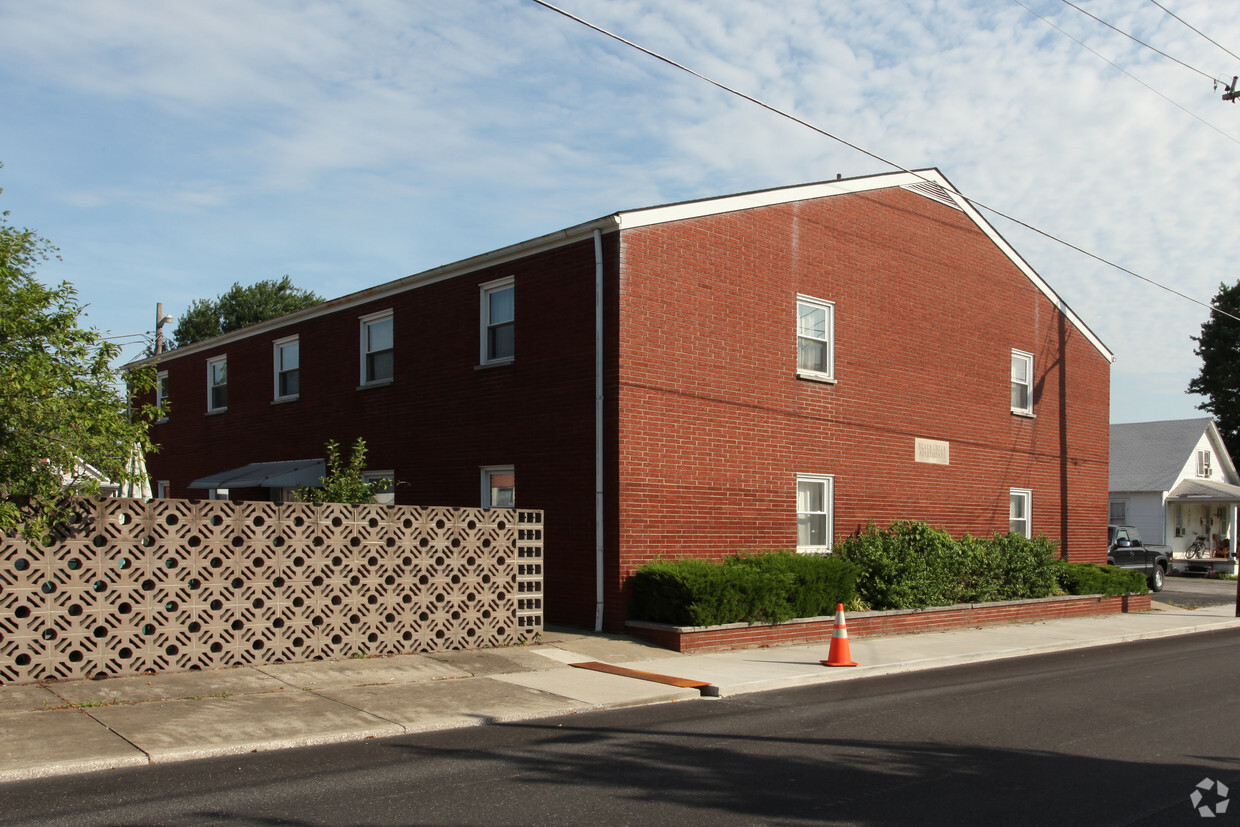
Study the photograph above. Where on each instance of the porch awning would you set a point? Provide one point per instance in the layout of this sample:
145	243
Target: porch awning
1204	491
286	474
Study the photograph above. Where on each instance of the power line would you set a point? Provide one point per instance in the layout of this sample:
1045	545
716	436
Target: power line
1103	57
1198	31
1142	42
870	154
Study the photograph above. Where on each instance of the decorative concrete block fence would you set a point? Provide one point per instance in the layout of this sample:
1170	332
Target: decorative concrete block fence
894	622
134	586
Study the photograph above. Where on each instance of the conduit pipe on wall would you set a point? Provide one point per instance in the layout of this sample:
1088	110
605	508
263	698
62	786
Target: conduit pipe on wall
598	430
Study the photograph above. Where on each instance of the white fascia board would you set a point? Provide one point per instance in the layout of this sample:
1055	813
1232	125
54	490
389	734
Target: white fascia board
785	195
560	238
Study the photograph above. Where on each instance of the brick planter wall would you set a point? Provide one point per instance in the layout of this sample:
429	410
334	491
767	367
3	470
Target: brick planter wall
868	624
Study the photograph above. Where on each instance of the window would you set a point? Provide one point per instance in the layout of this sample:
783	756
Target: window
217	494
1019	519
1203	463
1119	512
217	384
815	513
815	339
377	343
162	487
1180	531
287	357
1022	382
498	325
161	393
388	495
499	487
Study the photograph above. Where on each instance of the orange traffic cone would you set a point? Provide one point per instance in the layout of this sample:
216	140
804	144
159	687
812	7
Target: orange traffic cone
839	654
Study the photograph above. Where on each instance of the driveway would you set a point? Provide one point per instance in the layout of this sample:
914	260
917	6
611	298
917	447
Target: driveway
1197	591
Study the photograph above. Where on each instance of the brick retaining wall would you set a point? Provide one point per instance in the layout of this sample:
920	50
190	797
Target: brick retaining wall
869	624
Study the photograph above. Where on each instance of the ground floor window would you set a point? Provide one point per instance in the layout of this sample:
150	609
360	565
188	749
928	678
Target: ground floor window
388	495
1119	512
1020	519
499	486
815	512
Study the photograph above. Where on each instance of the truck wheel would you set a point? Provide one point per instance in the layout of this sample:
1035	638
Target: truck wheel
1157	579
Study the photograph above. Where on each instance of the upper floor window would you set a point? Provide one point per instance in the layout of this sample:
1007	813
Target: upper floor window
286	354
161	393
1020	520
498	321
815	338
1022	382
499	487
815	512
377	342
217	384
1203	463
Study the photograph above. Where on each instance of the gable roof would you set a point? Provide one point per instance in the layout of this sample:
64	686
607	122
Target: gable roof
1148	456
928	183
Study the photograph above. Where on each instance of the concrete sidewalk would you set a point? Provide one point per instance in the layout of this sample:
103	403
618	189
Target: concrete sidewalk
78	726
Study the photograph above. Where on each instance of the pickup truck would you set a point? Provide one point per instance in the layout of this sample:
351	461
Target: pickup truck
1128	552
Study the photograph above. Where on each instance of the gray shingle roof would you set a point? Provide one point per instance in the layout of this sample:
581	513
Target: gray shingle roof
1148	456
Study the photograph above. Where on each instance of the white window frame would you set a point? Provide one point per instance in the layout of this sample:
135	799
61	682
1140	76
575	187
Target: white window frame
1118	512
487	324
278	371
826	484
388	497
1023	495
1203	464
162	487
1027	360
217	494
364	325
212	385
161	393
489	472
827	340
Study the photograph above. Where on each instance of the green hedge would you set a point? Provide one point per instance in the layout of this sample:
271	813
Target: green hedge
911	565
758	588
1088	578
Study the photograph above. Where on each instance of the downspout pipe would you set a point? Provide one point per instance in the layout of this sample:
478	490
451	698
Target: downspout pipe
598	430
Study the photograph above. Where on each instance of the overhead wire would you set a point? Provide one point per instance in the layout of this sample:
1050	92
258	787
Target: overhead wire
1196	30
1137	40
1115	65
781	113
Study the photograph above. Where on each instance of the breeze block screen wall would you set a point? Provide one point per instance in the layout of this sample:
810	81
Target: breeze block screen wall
171	585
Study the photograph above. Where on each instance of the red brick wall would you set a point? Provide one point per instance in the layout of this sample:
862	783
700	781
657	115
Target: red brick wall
439	420
714	424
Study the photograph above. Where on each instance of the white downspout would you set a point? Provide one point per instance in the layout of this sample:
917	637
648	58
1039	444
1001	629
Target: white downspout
598	430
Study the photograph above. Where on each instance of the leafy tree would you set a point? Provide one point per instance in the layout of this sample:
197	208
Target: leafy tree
240	307
62	405
1219	379
343	482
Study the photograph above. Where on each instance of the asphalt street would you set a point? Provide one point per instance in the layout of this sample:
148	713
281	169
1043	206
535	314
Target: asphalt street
1095	736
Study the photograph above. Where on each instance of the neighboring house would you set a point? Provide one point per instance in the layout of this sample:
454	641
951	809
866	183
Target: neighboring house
1175	482
768	370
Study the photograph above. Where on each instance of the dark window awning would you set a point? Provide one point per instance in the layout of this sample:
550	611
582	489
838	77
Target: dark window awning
286	474
1204	491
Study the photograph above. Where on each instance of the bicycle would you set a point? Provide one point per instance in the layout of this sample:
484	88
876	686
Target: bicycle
1196	549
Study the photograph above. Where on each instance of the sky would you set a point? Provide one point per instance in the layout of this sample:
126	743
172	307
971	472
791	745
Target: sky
170	150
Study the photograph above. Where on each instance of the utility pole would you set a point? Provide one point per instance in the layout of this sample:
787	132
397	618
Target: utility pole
160	321
1229	92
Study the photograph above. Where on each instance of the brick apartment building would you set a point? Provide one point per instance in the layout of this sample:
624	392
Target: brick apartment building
767	370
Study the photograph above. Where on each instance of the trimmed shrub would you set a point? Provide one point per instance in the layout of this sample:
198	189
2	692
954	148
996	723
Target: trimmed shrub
1109	581
759	588
911	565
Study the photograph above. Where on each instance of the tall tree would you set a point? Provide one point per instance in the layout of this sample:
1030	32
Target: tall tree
62	405
1219	379
240	307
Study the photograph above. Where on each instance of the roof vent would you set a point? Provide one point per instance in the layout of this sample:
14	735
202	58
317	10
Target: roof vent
935	191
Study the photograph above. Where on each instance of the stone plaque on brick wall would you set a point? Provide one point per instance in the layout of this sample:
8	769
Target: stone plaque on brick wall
933	451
